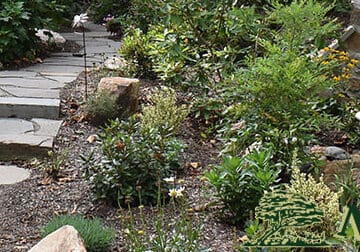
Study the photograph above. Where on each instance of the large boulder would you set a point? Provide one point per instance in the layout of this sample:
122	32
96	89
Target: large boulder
65	239
125	90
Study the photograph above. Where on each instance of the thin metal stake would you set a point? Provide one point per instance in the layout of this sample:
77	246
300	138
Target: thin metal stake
86	83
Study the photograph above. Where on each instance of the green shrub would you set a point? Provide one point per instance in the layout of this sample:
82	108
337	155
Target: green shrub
164	112
134	163
96	237
99	9
102	107
240	182
135	49
18	20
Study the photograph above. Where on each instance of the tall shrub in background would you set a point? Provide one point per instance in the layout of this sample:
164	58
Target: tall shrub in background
18	21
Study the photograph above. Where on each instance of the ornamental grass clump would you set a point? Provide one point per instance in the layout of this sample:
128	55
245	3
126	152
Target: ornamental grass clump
96	236
163	113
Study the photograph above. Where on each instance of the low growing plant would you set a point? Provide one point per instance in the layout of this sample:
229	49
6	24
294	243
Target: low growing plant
133	163
161	233
163	113
102	107
240	182
96	236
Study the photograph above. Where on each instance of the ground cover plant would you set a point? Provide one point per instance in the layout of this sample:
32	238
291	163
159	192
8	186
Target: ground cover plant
260	98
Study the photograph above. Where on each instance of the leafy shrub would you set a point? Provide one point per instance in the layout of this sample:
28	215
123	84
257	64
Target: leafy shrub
102	107
135	49
99	9
163	113
135	162
96	237
18	20
240	182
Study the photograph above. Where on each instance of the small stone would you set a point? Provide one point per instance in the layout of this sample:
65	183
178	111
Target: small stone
126	91
66	238
115	63
357	116
333	152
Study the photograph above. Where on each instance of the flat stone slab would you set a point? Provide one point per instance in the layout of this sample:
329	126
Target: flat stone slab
11	174
15	126
12	91
29	107
24	139
35	82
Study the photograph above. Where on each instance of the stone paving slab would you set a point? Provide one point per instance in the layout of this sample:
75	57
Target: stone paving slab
39	68
29	107
11	174
18	146
23	139
38	82
16	74
30	92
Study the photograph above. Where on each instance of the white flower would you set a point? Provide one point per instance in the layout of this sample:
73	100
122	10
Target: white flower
172	193
169	180
179	192
80	20
176	193
357	115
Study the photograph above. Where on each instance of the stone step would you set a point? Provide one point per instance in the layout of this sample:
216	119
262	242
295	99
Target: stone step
19	107
25	139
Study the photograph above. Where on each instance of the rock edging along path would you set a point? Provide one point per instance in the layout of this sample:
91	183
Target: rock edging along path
30	97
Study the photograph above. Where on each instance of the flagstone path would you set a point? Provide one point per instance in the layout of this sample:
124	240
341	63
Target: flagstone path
30	101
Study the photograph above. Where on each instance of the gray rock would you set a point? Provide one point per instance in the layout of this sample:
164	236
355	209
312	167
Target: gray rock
65	239
333	152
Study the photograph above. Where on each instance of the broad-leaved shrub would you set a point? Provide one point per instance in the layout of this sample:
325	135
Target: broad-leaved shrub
133	164
240	182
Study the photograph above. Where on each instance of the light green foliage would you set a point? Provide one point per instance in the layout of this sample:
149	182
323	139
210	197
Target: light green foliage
102	107
134	162
240	182
163	113
320	194
135	49
53	166
96	236
304	24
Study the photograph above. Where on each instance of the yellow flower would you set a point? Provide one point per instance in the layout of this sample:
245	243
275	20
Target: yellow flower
186	40
343	58
332	56
325	62
326	49
203	179
346	75
344	53
181	181
336	78
354	61
140	232
172	193
351	65
341	95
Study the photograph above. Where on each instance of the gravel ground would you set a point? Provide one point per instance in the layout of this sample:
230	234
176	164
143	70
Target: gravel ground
27	206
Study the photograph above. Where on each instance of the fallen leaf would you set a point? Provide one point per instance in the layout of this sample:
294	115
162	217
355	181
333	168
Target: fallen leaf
92	138
213	141
45	181
38	60
195	165
64	180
